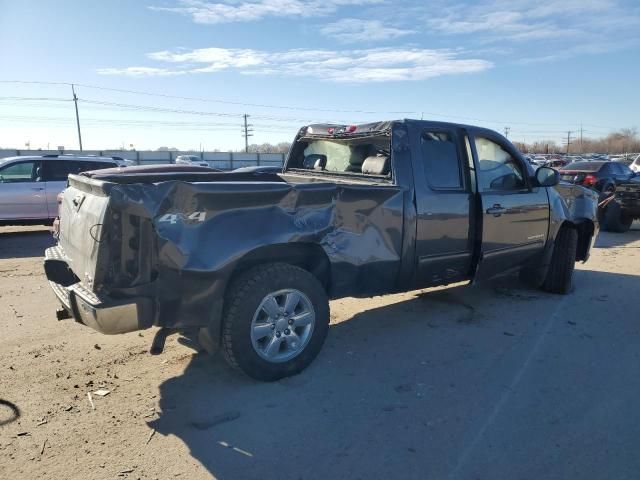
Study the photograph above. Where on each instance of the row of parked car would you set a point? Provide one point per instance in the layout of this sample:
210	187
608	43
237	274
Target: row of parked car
632	160
29	185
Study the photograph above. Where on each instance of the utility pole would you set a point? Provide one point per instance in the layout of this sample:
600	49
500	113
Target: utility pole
581	131
75	100
506	131
246	132
568	140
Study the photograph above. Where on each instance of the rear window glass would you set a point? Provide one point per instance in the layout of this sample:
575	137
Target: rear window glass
365	155
440	156
584	166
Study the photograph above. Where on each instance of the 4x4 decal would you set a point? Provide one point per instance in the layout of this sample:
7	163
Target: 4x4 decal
187	218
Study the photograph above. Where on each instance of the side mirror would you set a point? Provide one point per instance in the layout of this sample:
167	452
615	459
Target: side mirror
547	177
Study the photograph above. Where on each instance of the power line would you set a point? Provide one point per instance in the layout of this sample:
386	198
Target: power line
212	100
288	107
40	99
139	122
150	108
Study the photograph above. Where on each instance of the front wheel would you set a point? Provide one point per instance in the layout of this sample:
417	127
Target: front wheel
275	321
563	260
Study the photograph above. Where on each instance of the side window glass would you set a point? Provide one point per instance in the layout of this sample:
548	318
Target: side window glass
58	170
441	160
622	169
18	173
498	170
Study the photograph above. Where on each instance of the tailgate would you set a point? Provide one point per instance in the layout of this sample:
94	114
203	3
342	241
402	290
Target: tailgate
82	213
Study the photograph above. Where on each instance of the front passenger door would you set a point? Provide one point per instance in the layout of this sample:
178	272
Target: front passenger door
22	193
515	217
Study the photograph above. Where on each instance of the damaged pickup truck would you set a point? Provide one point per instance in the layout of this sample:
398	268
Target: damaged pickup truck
250	261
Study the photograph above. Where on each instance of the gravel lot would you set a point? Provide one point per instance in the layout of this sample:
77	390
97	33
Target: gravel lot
488	382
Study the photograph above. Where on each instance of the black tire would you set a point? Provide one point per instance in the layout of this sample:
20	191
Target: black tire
606	191
242	302
563	260
614	220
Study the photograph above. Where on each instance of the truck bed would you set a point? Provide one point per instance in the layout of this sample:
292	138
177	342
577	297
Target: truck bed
175	237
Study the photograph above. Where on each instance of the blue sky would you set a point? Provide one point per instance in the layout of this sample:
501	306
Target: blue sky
540	68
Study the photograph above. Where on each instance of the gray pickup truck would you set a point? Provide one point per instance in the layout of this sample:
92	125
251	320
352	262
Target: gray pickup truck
249	261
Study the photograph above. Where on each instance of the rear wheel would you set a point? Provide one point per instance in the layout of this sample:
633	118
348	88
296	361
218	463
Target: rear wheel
563	260
614	219
275	321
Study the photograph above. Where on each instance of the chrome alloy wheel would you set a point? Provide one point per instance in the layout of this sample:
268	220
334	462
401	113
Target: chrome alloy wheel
282	325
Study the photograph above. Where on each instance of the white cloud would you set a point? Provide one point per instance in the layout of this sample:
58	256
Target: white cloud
228	11
346	66
139	71
349	30
540	31
524	20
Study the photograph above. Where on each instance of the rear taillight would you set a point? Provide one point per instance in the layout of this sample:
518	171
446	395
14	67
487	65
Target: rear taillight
589	180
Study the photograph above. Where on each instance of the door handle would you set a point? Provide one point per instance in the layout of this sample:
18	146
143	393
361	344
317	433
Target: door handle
496	210
37	189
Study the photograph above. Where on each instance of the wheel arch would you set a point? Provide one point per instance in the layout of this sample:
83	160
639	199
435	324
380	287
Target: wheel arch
308	256
586	229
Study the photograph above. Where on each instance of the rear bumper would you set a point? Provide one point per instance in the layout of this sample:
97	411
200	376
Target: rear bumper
102	313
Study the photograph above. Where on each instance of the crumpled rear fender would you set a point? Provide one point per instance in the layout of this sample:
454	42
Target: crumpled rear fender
205	230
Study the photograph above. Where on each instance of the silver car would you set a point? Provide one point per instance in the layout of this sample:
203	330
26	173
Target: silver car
29	186
191	160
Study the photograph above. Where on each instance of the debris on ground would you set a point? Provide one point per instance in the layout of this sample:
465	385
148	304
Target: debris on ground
93	406
103	392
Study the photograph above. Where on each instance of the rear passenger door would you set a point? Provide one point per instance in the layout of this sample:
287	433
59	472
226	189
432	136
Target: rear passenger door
444	206
515	216
56	173
55	176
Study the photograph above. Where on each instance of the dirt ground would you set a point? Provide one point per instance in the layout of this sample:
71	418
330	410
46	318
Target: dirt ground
490	382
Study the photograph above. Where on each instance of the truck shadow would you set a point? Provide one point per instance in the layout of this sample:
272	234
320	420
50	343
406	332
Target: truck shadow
24	244
614	240
390	390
